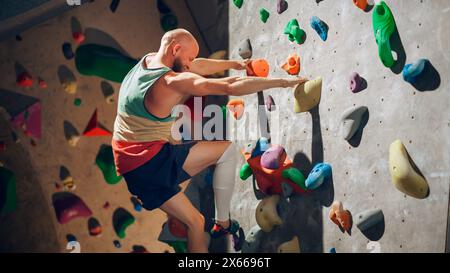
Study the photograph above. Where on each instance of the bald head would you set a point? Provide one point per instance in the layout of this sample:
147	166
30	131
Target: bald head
181	46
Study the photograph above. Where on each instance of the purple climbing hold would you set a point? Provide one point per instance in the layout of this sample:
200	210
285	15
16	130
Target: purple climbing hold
67	51
356	83
282	6
270	103
271	158
69	206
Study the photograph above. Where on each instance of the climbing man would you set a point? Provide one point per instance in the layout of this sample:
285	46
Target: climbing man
151	162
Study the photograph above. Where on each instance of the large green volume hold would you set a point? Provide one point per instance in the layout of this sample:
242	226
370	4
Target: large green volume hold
103	61
7	191
384	27
105	162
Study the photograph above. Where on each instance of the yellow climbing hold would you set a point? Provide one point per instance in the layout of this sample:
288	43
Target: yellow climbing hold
405	175
292	246
307	95
70	86
266	213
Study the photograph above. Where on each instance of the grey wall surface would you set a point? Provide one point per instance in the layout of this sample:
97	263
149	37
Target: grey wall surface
361	179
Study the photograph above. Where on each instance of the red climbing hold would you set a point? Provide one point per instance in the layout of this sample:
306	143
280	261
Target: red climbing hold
42	83
362	4
24	80
190	103
78	37
94	128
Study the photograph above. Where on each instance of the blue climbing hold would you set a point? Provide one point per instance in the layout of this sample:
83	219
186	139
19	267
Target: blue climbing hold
317	176
261	146
71	238
413	71
136	203
320	27
333	250
67	51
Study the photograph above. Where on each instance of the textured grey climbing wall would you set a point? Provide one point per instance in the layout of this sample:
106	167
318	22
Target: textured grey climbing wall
361	178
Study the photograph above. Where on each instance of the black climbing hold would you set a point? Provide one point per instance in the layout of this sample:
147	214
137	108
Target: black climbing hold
114	5
163	8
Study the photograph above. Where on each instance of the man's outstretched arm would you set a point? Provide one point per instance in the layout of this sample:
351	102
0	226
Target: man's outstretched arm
205	67
192	84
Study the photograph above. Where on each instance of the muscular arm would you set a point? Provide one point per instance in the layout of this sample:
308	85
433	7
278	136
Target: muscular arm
192	84
204	67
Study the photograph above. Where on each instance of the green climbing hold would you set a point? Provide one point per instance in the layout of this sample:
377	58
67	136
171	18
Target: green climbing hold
245	171
264	15
179	246
238	3
7	191
295	176
224	111
294	32
122	219
77	102
383	27
102	61
169	22
105	161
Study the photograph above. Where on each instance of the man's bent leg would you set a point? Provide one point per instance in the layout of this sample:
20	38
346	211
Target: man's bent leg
224	155
181	208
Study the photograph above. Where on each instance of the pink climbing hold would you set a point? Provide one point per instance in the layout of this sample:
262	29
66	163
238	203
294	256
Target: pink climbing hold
29	120
271	158
356	83
69	206
24	79
282	6
270	103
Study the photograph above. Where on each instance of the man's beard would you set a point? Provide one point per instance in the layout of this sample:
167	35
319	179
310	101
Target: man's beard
177	66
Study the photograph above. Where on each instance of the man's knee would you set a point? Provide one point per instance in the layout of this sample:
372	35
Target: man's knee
196	222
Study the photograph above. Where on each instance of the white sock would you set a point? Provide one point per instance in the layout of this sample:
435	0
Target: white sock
223	182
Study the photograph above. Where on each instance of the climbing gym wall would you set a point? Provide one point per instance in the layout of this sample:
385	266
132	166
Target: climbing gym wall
55	151
355	126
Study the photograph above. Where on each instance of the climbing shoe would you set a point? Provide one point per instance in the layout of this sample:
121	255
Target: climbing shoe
218	231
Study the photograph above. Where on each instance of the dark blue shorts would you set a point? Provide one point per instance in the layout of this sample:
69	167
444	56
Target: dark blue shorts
158	179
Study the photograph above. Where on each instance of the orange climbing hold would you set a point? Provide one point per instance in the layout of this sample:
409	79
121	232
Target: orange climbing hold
258	68
342	218
362	4
236	107
292	65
